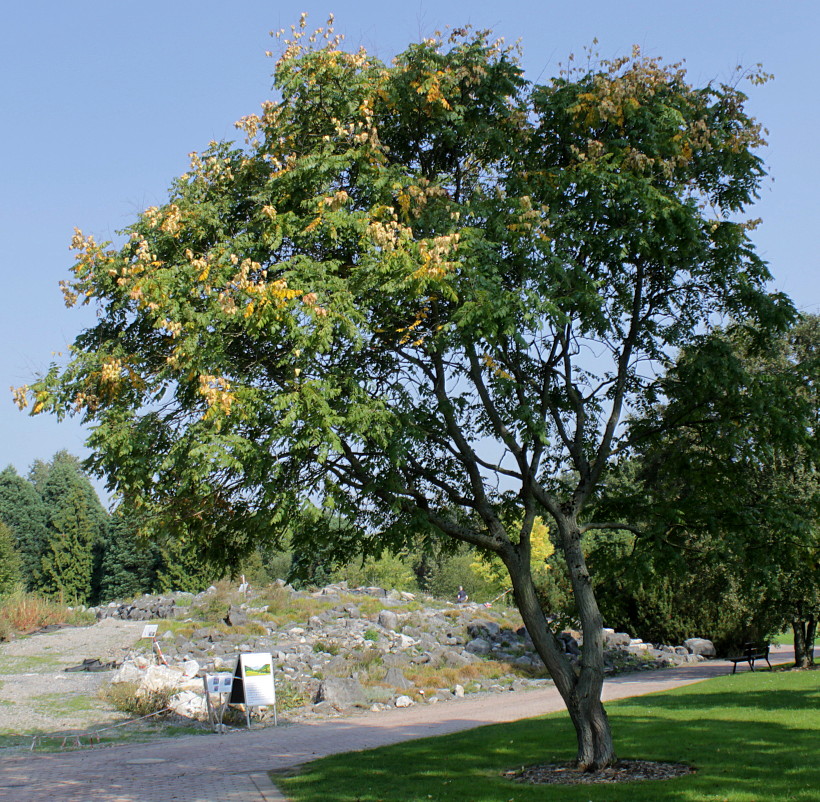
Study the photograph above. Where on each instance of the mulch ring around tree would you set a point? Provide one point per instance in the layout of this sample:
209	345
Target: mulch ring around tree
624	771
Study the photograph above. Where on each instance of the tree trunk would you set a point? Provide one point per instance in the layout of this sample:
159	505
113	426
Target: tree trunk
580	688
804	633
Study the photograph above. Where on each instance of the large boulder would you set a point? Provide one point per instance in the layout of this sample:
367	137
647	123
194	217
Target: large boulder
700	646
162	678
341	692
615	640
127	672
483	629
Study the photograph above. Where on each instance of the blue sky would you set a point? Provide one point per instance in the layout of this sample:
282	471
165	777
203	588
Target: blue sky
103	100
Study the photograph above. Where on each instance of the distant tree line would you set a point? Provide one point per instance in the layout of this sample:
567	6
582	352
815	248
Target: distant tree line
57	539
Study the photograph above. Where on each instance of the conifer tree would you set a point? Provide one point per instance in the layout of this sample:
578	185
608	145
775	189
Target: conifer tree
10	562
129	563
22	511
184	567
76	527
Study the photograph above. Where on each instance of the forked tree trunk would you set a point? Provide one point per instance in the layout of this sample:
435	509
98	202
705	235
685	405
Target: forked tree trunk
804	633
580	688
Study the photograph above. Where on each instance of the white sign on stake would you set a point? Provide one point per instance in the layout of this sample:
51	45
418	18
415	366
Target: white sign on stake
149	631
219	683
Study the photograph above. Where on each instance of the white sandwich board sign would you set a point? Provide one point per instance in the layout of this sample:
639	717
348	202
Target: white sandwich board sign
253	681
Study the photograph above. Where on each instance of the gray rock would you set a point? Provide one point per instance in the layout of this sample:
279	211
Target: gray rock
396	659
341	692
569	644
396	678
236	617
478	646
613	640
454	659
700	646
388	619
483	629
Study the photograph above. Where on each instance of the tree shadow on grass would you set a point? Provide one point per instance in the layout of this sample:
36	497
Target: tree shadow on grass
758	700
748	760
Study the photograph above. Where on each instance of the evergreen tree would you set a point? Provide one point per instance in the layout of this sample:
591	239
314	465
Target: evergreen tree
129	563
184	567
76	528
23	512
10	561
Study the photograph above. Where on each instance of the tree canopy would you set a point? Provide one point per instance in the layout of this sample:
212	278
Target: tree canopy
424	293
724	481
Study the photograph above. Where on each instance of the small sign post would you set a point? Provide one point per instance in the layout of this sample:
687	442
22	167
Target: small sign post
253	683
150	631
218	685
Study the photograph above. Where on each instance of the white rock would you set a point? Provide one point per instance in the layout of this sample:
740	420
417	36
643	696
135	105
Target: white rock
189	704
459	691
190	668
127	672
158	678
404	701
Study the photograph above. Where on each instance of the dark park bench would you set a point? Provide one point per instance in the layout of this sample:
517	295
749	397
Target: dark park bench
751	652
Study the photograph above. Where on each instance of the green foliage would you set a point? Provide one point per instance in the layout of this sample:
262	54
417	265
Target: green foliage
389	571
130	562
184	566
725	486
22	510
10	561
453	570
302	301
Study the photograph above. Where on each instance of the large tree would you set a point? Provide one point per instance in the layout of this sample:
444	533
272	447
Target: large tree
425	293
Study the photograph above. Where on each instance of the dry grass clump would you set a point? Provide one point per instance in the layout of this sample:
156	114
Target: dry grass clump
22	612
127	697
430	677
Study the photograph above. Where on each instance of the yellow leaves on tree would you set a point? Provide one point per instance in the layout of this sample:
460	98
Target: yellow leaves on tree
492	569
216	391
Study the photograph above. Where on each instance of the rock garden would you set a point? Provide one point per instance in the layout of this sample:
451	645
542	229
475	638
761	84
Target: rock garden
337	649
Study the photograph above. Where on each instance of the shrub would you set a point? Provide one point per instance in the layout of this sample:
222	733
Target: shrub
371	635
328	648
127	697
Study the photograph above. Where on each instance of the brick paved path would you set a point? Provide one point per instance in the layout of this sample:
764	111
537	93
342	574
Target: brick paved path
232	768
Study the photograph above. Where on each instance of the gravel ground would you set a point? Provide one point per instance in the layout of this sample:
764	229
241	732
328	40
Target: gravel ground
37	695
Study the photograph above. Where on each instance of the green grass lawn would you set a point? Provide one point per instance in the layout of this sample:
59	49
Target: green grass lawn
787	639
752	737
